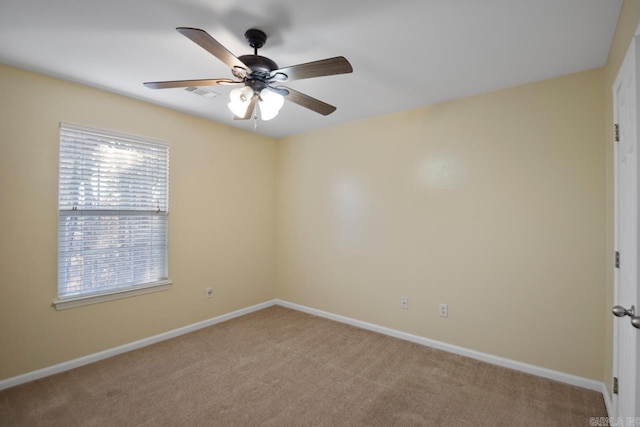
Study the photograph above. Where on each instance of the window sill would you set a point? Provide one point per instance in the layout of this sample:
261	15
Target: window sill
79	301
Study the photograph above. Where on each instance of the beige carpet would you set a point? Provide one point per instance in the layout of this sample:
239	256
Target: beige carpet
279	367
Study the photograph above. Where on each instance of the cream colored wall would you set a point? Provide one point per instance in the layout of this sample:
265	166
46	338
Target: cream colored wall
222	217
492	204
627	25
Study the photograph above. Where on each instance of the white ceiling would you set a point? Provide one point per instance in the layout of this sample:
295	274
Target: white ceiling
405	53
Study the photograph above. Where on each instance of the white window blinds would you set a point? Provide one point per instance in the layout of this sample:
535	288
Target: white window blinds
113	205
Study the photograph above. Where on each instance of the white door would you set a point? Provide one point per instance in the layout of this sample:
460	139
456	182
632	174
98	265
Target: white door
626	337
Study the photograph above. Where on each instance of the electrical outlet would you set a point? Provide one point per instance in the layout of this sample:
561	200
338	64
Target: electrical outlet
208	292
404	303
444	310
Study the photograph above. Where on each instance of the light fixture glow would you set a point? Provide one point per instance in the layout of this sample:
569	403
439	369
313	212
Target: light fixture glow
239	100
270	104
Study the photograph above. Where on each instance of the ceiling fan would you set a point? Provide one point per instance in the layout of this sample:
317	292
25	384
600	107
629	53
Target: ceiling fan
259	76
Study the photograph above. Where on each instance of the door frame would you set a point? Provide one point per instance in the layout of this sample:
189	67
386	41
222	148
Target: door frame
612	404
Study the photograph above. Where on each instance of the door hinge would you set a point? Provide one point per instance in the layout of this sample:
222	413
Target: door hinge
616	131
617	259
615	385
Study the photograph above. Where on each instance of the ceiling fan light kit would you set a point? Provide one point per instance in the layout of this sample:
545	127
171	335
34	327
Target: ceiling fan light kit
239	100
259	76
269	102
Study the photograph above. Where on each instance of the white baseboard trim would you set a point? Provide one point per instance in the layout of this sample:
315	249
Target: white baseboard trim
85	360
495	360
484	357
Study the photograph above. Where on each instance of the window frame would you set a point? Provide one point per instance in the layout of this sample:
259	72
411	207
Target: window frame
116	292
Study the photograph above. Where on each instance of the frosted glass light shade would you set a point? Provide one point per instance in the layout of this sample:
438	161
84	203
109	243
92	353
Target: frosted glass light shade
270	104
239	100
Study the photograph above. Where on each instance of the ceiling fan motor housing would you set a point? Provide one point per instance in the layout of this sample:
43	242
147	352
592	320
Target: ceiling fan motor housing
259	65
261	68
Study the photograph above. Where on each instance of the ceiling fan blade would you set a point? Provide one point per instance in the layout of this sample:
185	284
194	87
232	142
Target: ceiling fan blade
324	67
252	105
211	45
188	83
309	102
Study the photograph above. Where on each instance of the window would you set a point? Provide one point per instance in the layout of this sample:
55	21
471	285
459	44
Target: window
113	203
